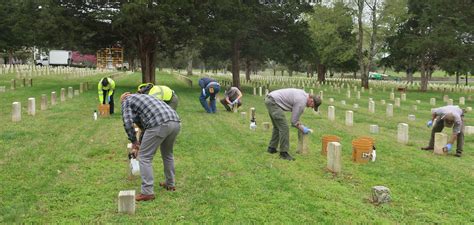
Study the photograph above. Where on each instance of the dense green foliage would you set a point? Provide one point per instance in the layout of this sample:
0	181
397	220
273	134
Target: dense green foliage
62	167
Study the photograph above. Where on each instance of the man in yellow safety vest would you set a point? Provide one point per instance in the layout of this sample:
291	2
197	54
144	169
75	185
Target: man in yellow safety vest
160	92
106	89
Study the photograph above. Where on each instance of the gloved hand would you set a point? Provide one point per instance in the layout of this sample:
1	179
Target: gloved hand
449	146
306	130
429	123
135	148
235	102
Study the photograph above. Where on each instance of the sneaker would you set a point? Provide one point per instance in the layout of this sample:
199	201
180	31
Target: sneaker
427	148
458	154
286	156
272	150
142	197
167	187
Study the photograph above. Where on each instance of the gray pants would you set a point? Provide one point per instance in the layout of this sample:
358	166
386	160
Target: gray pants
281	131
173	102
162	136
439	126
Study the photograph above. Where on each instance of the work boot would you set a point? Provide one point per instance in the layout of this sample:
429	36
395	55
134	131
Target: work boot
458	154
167	187
272	150
286	156
427	148
142	197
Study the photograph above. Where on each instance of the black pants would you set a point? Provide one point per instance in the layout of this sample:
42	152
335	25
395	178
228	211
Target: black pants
105	94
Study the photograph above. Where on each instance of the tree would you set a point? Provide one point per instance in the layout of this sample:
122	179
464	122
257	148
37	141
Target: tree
331	29
156	26
245	29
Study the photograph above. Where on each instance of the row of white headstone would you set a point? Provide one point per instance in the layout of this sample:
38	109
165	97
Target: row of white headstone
16	106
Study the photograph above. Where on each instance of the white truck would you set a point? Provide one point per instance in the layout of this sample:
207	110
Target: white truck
55	58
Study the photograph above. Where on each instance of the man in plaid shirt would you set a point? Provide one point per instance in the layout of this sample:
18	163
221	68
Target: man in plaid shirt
160	125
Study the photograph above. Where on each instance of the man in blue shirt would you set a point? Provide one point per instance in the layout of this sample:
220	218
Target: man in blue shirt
209	89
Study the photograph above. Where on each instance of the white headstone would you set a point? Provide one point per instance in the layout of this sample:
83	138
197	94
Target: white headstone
462	101
334	159
392	96
343	102
44	102
402	133
432	101
356	106
371	107
53	98
389	110
404	97
31	106
63	95
16	111
382	102
126	202
70	92
415	107
374	129
441	139
358	95
450	101
411	117
331	100
349	118
331	113
397	102
469	109
469	130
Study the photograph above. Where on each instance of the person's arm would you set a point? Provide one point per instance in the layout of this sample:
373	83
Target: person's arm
295	116
112	87
127	117
100	92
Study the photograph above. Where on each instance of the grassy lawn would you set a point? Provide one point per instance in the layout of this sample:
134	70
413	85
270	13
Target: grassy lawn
62	167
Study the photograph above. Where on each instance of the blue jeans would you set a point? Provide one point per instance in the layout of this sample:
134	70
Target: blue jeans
211	108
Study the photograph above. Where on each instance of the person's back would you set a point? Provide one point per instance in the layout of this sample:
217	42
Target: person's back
147	111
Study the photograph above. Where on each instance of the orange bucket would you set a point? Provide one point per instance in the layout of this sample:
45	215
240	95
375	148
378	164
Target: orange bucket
362	149
325	140
104	110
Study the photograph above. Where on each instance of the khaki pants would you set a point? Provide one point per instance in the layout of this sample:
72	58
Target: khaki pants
281	131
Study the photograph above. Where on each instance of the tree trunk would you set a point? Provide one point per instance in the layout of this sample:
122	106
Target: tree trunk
147	45
360	54
290	73
457	78
189	68
409	75
274	72
321	72
236	64
467	75
282	72
247	69
424	77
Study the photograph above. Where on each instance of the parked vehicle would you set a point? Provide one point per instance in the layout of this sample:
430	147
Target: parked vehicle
55	58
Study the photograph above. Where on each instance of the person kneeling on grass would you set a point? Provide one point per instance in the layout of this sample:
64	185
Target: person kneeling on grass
160	125
232	99
290	99
448	116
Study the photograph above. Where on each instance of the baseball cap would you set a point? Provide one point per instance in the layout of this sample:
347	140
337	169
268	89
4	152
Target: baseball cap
317	102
